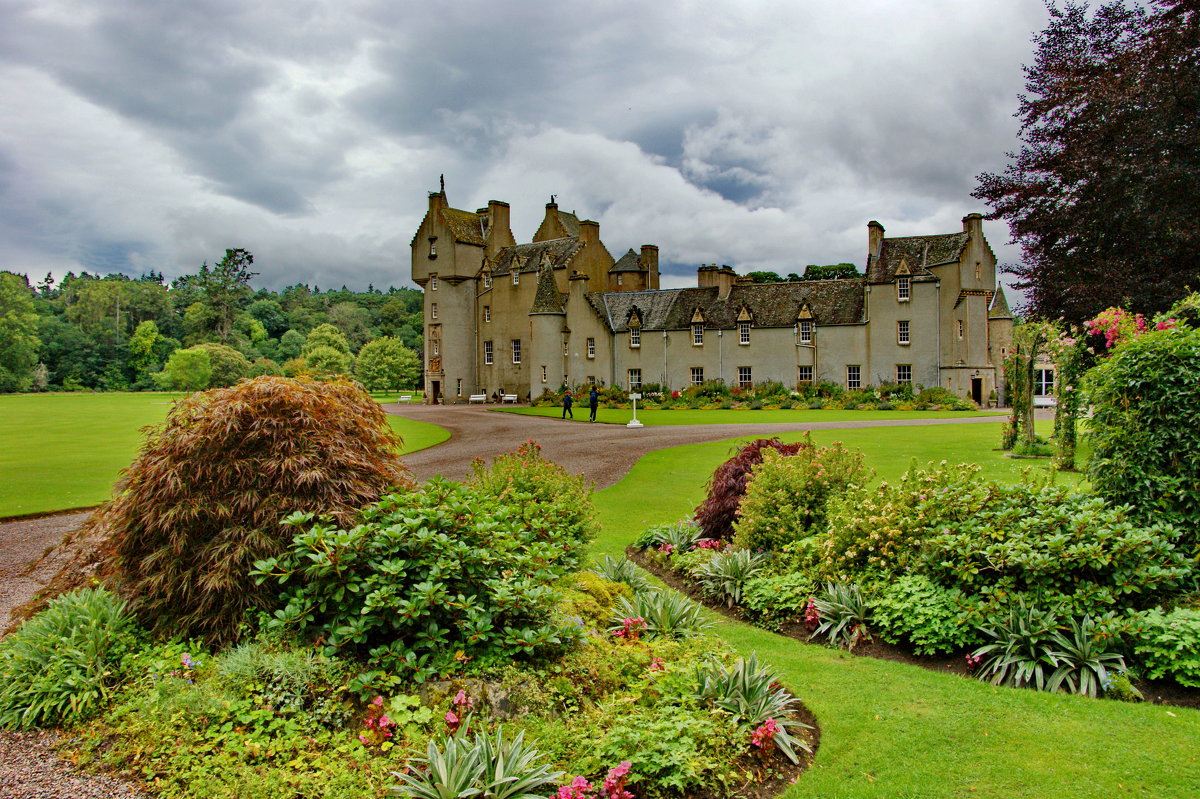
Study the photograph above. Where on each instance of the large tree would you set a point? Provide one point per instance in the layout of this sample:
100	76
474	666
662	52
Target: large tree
226	289
1102	195
18	333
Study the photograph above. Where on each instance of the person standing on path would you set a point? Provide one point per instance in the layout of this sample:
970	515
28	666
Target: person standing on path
593	403
568	401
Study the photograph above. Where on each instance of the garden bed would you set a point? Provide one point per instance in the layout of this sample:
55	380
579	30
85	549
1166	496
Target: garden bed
1161	692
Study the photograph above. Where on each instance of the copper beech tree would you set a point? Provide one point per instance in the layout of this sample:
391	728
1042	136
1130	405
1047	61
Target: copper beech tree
205	497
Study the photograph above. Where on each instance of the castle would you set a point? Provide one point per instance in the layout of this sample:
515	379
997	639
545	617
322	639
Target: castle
502	317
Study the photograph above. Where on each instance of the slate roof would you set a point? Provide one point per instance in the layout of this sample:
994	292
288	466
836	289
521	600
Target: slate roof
547	299
999	308
570	223
465	225
530	256
630	262
769	305
921	252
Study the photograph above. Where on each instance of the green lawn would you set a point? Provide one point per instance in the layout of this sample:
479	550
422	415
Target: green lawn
796	415
62	451
891	730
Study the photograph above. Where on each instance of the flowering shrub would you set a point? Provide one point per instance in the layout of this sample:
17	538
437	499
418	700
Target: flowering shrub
630	629
613	786
439	571
787	497
727	486
379	728
764	735
777	599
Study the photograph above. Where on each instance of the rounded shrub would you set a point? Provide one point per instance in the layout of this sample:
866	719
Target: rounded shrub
728	483
206	496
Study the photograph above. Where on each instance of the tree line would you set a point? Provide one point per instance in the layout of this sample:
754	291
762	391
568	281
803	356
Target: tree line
210	328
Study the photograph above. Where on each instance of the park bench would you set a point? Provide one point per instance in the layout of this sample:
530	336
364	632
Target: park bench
406	397
477	398
509	398
1044	401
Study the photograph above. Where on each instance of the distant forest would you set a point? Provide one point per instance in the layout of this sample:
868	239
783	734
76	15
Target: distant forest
115	333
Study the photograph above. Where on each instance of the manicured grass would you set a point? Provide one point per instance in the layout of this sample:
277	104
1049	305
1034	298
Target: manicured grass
718	416
892	730
62	451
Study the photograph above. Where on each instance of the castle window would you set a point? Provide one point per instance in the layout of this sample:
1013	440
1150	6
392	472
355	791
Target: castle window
806	331
903	289
1043	382
697	375
436	346
904	374
516	277
978	270
543	374
487	313
902	336
697	334
853	376
591	348
744	377
433	310
433	284
433	247
620	280
804	374
516	348
488	355
960	328
635	379
635	337
459	384
487	280
743	332
590	380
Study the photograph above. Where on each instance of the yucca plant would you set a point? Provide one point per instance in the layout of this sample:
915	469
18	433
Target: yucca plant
485	766
751	695
725	575
1083	659
620	570
665	614
1022	649
843	613
209	491
60	665
681	535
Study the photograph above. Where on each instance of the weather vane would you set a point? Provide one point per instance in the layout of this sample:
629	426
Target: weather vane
442	182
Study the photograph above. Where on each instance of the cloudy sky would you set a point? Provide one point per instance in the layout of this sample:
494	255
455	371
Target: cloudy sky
149	134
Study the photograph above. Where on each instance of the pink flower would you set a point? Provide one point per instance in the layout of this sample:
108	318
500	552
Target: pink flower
461	699
658	665
452	720
765	732
377	701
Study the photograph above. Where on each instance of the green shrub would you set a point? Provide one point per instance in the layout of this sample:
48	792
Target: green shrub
228	365
427	574
779	598
482	765
1084	659
206	497
664	614
563	500
591	597
620	570
727	486
61	665
919	612
725	574
787	497
751	695
1020	652
1145	429
300	686
1168	645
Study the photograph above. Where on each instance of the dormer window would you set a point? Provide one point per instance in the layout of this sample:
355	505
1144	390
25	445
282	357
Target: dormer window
903	289
806	331
433	283
743	332
433	246
697	334
487	280
516	277
635	337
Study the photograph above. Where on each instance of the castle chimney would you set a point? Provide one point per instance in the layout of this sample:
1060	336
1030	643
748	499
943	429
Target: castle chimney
499	234
874	239
726	278
649	259
589	231
973	225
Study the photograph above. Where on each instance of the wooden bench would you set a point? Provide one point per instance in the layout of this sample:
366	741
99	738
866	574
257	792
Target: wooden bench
406	398
1044	401
477	398
509	398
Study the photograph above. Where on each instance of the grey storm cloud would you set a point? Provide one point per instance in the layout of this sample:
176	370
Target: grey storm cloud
148	135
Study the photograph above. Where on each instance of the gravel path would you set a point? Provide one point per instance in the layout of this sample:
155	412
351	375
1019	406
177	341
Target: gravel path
604	453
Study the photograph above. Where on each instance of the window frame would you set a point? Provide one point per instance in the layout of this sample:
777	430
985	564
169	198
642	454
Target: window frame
635	337
696	375
516	351
904	332
1043	387
433	281
903	288
800	370
804	331
629	375
745	377
591	348
489	353
743	333
433	310
853	376
697	334
487	313
900	379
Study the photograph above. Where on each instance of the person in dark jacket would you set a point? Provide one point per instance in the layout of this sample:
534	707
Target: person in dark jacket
593	403
568	401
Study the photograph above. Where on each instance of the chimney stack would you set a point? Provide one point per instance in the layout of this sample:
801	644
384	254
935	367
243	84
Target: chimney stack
649	259
589	231
973	225
499	234
874	239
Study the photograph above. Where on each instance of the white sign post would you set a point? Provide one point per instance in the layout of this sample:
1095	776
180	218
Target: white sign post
634	422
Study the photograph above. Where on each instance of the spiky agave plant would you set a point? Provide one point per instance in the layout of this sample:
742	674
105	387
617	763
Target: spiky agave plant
665	614
480	765
751	695
725	575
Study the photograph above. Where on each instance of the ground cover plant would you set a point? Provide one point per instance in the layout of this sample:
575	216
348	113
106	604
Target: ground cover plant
65	451
961	736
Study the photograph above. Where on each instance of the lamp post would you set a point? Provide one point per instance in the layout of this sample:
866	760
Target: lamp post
634	422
